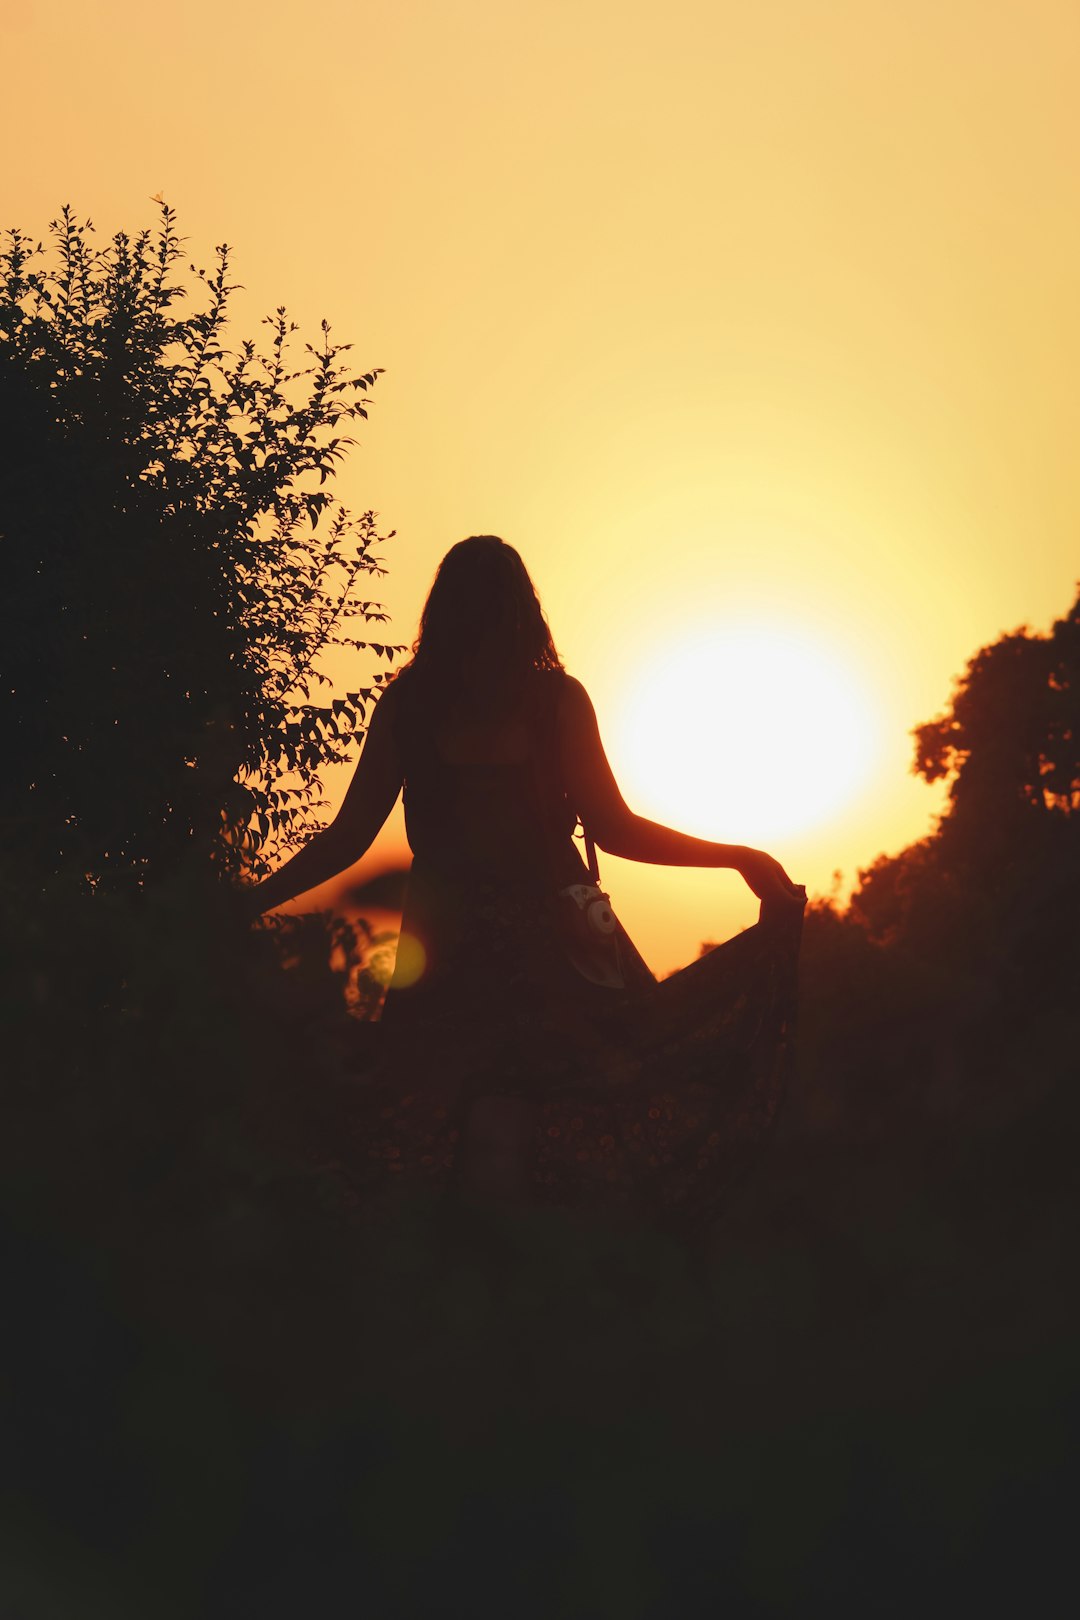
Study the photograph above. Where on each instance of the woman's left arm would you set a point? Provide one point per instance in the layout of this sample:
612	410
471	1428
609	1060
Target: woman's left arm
595	794
371	796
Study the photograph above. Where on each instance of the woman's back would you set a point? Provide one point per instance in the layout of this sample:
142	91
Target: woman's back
482	788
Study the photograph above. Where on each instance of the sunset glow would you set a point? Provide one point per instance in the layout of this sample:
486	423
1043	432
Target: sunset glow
737	321
744	733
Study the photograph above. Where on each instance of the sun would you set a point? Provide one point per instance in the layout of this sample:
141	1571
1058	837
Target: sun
743	734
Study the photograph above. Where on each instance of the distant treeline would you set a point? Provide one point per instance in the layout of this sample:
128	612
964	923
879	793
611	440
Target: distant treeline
953	975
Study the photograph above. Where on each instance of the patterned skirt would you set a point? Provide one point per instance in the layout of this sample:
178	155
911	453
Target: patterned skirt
645	1099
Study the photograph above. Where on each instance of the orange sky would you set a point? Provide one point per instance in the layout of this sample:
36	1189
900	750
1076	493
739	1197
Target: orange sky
719	312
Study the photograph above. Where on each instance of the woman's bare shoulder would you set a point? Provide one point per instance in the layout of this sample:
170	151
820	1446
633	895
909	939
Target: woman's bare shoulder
575	704
399	680
389	704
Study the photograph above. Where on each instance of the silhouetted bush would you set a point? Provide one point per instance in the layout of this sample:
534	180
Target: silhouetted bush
949	983
174	563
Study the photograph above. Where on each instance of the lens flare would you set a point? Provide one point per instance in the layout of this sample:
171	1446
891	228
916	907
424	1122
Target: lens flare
410	963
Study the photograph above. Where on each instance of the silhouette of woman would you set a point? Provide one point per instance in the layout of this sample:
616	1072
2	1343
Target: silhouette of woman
523	1055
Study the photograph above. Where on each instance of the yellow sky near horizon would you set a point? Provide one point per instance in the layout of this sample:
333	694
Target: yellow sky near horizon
719	313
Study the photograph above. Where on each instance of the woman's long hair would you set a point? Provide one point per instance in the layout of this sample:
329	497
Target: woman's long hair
482	630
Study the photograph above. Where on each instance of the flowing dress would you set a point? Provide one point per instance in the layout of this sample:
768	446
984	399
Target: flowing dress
646	1096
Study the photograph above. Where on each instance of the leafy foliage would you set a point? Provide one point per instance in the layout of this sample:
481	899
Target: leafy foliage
954	968
1010	741
175	563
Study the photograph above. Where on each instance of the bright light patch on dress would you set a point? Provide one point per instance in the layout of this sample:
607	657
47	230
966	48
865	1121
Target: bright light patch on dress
411	962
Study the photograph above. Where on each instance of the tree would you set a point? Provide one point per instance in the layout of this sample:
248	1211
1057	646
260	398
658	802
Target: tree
1008	746
960	955
1009	743
174	562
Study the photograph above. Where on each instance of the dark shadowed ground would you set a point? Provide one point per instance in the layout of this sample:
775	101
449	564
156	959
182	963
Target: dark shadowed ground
231	1389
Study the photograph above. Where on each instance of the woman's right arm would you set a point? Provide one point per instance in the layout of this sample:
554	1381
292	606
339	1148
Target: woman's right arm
594	793
371	796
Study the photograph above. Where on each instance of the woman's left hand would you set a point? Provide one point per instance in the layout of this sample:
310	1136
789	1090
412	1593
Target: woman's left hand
767	878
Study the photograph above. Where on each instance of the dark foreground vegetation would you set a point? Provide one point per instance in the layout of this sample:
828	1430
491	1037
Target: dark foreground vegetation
233	1388
233	1385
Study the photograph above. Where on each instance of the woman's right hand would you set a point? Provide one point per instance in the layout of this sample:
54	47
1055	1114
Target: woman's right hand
767	877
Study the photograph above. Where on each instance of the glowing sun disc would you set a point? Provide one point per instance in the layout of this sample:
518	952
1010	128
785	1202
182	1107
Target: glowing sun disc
743	734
